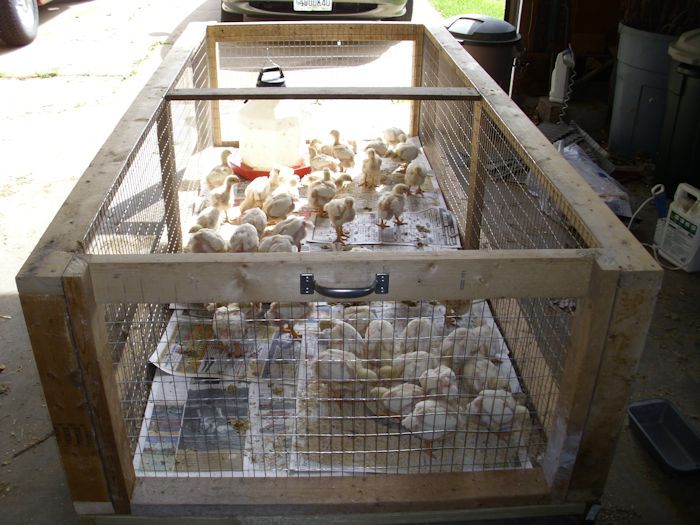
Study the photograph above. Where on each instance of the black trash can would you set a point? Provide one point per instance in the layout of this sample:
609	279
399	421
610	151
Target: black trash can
491	41
679	147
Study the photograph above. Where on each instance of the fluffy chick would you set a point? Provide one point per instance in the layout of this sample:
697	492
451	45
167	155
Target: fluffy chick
404	152
277	206
379	146
417	335
339	334
343	152
296	227
380	341
220	197
391	135
343	372
206	241
255	194
257	218
495	409
431	420
415	176
209	217
244	239
410	366
397	400
391	205
371	170
322	192
218	173
479	373
277	243
440	381
229	323
340	212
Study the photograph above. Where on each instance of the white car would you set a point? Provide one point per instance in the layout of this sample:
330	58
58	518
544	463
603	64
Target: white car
236	10
19	21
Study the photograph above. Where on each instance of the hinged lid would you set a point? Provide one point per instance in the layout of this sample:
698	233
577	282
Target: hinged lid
482	30
686	49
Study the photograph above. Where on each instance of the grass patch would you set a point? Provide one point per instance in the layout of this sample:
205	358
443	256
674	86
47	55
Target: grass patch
448	8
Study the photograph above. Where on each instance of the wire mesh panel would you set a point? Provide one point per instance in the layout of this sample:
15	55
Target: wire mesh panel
309	389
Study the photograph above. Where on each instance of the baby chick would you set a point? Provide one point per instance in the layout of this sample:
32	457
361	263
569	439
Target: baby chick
358	316
404	152
277	243
322	192
284	314
479	373
209	217
244	239
206	241
417	335
340	212
371	170
391	205
220	197
496	409
218	174
397	400
257	218
255	193
321	161
339	334
410	366
380	341
440	381
278	205
343	152
415	176
379	146
391	135
343	372
430	420
296	227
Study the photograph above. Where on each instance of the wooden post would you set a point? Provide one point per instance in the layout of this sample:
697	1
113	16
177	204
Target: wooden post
87	320
630	318
475	192
417	80
168	171
213	59
579	378
61	379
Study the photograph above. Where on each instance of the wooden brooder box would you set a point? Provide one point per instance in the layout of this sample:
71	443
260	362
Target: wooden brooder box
566	288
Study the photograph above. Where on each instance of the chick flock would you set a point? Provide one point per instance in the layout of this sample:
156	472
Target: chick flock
418	376
428	376
273	204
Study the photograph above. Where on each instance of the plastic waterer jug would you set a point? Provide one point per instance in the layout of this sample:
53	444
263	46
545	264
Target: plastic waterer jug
271	130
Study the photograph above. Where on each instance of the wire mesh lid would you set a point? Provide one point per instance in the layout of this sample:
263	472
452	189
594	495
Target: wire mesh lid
482	30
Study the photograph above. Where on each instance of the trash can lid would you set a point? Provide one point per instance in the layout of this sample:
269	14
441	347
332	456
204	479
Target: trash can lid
686	49
482	30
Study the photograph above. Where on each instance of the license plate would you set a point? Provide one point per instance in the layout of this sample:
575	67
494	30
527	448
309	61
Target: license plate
313	5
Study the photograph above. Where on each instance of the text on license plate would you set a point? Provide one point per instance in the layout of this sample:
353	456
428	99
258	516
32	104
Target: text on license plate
313	5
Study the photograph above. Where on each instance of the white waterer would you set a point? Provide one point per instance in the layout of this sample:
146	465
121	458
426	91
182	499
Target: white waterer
271	130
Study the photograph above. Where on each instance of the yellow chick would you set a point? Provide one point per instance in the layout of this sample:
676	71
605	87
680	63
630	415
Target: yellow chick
277	243
415	176
206	241
343	152
391	205
257	218
255	194
322	192
218	174
209	217
371	170
244	239
397	400
296	227
391	135
340	212
277	206
220	197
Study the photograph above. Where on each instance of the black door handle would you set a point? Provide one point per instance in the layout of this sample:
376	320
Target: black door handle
309	286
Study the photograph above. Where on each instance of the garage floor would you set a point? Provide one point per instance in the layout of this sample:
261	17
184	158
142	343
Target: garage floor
61	97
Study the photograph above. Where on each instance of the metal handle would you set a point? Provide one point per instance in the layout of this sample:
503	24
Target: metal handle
309	286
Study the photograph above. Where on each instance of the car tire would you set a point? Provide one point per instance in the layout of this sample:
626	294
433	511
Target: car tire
406	17
19	21
232	17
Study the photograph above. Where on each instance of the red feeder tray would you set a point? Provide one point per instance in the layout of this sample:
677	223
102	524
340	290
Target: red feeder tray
248	173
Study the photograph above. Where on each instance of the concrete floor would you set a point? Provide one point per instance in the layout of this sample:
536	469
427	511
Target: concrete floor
62	96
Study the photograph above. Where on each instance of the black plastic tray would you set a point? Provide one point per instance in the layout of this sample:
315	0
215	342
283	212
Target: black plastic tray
667	434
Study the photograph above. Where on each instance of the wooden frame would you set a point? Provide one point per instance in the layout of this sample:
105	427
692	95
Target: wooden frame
63	293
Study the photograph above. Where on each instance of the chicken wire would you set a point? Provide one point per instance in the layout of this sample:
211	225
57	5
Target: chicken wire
253	390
